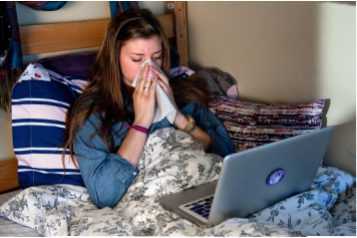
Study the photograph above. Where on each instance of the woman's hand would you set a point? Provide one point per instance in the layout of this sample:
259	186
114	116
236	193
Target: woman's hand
144	99
163	81
180	120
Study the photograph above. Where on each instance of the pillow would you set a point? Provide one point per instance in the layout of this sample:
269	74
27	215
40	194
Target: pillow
251	124
219	83
40	101
75	65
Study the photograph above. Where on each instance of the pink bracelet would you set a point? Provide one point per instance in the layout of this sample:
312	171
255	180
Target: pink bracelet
141	129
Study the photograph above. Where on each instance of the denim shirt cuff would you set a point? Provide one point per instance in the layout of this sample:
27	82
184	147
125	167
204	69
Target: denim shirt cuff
130	171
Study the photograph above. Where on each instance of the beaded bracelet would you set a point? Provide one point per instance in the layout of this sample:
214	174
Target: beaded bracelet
140	129
191	125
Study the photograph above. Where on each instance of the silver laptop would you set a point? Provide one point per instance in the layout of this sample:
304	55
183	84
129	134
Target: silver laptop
253	179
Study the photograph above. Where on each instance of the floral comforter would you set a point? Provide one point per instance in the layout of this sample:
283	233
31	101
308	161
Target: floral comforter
172	161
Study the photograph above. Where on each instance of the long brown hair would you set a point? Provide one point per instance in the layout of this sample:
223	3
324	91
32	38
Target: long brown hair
105	93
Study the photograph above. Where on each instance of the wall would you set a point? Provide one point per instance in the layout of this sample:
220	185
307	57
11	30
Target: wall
285	52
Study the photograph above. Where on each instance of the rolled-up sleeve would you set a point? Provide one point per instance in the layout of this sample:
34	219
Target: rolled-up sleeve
106	175
205	119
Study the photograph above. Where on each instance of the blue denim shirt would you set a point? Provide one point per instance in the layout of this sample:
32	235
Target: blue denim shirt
107	175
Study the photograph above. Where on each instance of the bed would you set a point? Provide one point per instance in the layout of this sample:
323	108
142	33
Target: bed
85	36
328	208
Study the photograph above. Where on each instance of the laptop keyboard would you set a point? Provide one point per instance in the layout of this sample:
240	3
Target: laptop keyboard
201	207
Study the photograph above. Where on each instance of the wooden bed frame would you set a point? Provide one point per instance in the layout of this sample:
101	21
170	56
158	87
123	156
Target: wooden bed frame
67	36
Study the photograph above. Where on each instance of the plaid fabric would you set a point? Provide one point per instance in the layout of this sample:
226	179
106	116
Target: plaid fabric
252	124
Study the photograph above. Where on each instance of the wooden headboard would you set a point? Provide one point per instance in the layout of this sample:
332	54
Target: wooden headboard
75	35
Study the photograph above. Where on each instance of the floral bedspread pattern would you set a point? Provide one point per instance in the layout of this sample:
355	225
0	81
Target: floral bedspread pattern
172	161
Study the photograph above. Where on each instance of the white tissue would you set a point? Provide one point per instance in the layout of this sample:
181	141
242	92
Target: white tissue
164	106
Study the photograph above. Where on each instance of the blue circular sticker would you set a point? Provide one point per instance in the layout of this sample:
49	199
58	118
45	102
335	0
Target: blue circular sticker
275	177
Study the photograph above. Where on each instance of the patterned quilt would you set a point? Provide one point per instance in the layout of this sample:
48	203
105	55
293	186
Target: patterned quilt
171	162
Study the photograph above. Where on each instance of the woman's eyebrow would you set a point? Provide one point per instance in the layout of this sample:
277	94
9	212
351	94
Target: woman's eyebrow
140	54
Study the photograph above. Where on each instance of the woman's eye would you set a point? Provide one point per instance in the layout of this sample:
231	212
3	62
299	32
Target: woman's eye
136	60
157	59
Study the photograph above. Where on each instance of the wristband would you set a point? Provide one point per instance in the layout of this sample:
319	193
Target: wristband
140	129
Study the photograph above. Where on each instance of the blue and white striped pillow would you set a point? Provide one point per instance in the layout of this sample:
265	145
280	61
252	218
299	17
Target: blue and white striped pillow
40	101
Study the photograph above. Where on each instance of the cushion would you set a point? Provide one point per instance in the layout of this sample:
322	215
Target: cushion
219	83
76	65
251	124
40	101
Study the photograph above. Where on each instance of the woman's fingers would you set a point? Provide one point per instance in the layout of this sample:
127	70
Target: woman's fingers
161	76
144	98
146	85
162	79
163	86
143	79
140	86
153	88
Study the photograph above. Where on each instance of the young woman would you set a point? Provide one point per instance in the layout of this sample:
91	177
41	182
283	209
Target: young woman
108	125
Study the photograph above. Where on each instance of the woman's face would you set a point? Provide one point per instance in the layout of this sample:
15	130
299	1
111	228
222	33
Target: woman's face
135	51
